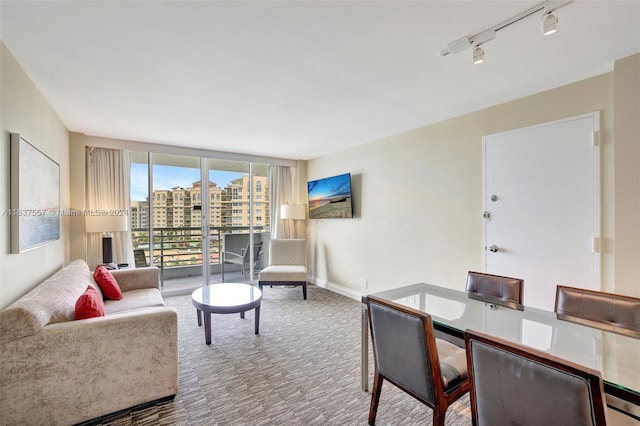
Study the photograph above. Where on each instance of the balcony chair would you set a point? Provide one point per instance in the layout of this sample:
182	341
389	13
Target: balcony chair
495	289
140	258
287	265
243	258
513	384
606	311
407	354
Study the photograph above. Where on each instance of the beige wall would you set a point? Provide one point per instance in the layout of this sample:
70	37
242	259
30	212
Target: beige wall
626	83
24	110
77	172
418	195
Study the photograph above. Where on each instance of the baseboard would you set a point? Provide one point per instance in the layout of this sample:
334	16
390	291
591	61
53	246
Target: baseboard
336	288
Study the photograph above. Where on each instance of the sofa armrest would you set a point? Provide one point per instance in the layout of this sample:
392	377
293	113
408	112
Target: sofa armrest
90	367
135	279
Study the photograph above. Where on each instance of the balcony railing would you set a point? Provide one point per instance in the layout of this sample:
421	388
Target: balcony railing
177	247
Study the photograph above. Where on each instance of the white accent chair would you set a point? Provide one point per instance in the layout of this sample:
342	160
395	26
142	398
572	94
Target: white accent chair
287	265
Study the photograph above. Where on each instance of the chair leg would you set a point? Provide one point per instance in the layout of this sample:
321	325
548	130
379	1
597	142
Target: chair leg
375	397
304	290
439	415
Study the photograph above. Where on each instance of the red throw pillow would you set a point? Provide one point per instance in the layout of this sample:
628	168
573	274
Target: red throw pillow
89	304
107	283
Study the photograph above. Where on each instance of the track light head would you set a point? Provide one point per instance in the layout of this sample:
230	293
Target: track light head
477	41
478	54
549	23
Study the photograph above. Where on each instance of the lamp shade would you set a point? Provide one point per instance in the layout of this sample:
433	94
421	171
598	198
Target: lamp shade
292	211
106	223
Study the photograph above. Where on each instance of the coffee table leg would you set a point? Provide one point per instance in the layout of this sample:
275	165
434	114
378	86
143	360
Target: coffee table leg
207	328
242	315
257	313
199	314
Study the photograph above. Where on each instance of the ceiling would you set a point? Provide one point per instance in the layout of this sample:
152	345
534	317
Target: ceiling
296	79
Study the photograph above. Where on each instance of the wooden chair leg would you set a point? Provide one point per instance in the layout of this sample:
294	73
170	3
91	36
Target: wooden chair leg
439	415
375	397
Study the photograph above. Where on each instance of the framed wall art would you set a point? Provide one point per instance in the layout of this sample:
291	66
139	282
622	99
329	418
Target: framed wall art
35	196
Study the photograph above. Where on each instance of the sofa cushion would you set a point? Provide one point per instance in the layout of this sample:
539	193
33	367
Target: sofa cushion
89	305
108	284
50	302
135	299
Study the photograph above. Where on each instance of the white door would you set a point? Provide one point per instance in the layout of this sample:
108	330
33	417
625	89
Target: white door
541	201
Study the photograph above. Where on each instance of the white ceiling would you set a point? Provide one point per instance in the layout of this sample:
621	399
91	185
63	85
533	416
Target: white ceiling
296	79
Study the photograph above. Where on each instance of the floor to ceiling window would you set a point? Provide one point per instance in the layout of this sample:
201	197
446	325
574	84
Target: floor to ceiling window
178	220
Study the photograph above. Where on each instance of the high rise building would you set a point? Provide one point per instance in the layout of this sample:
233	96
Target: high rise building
180	207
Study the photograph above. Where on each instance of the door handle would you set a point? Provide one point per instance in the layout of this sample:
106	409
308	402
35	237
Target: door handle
493	249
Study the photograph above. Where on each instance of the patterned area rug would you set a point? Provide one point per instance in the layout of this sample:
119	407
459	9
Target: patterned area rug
303	369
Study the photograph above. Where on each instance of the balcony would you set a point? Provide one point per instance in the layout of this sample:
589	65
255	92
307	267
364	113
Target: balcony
177	252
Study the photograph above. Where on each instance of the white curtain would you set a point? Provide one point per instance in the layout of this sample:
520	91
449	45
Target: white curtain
108	189
280	192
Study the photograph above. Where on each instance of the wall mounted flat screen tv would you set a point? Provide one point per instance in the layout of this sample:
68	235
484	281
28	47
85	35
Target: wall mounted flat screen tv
330	197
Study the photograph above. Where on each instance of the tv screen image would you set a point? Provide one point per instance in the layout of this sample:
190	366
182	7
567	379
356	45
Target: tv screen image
330	197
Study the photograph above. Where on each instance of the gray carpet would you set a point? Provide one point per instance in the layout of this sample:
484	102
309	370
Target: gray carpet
303	369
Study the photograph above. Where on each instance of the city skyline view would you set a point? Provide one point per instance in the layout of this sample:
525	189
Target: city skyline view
167	177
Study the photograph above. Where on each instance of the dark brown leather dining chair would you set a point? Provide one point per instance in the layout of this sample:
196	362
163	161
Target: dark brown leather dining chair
606	311
513	384
407	354
495	289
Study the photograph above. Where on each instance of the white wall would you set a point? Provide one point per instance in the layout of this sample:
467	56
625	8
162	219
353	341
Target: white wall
418	195
24	110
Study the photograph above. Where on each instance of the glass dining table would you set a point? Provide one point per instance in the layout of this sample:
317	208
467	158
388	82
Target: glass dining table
616	356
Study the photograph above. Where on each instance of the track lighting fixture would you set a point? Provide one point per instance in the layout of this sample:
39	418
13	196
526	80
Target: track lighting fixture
476	41
549	23
478	54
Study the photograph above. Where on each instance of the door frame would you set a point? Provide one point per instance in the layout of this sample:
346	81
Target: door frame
597	187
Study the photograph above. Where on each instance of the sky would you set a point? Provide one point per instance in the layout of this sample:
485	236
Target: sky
332	186
167	177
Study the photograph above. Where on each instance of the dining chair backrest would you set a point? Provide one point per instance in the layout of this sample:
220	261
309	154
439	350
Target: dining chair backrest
608	311
412	367
495	289
512	384
407	354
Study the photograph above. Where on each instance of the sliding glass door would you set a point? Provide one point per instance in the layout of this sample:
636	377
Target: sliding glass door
239	221
195	210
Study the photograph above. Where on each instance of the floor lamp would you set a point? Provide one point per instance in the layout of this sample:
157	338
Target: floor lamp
293	212
106	225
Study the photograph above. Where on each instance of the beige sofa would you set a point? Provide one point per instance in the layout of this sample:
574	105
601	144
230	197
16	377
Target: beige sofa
58	370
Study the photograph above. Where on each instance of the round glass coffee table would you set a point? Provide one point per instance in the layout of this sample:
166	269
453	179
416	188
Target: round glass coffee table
226	298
